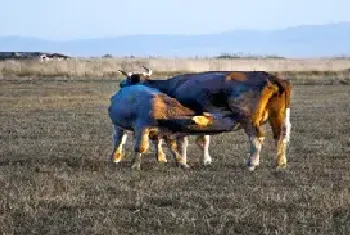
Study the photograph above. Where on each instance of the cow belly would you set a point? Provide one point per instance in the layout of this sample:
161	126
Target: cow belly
219	124
243	104
204	103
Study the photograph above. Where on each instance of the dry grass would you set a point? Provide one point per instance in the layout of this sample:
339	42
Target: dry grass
55	177
107	67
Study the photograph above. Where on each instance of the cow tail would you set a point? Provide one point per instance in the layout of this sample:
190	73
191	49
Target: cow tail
109	111
284	89
287	111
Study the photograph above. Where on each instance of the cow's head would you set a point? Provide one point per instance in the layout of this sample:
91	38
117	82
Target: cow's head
135	77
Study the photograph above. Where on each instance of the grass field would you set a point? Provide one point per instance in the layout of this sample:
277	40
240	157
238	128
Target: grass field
56	178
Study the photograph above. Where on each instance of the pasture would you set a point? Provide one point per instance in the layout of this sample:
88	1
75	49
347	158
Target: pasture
56	178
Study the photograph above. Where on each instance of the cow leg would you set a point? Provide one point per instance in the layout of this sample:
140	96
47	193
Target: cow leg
256	138
119	139
206	157
254	153
180	160
203	142
279	118
184	146
160	154
141	146
279	131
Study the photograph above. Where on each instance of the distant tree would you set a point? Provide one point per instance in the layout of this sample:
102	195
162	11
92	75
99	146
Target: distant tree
107	56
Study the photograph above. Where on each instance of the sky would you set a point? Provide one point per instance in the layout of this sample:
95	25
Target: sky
80	19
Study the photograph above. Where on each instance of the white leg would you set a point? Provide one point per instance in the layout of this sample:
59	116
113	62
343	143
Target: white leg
184	146
206	157
125	135
255	148
283	141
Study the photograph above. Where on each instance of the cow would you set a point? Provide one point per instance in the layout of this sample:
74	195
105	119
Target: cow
248	98
142	109
202	141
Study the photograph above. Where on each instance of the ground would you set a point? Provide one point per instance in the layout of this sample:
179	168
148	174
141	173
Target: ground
56	177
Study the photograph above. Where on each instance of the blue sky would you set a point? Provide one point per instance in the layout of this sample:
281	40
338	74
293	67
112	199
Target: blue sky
76	19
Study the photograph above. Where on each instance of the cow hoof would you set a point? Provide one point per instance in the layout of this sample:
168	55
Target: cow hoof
208	161
116	161
252	165
116	157
135	167
251	168
182	165
162	158
281	167
185	166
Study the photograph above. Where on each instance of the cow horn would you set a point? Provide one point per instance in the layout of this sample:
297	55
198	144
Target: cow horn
127	74
148	71
122	72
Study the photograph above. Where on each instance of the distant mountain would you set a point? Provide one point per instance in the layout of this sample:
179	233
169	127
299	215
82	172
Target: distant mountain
300	41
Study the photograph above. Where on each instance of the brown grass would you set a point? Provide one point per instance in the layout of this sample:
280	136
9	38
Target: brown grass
55	175
106	68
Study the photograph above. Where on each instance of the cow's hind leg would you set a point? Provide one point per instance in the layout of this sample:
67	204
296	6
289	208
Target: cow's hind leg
279	131
141	146
203	142
279	118
180	159
119	139
183	141
161	158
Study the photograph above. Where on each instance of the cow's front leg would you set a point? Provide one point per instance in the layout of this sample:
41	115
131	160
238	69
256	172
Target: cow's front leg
255	149
180	159
161	158
256	137
119	139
